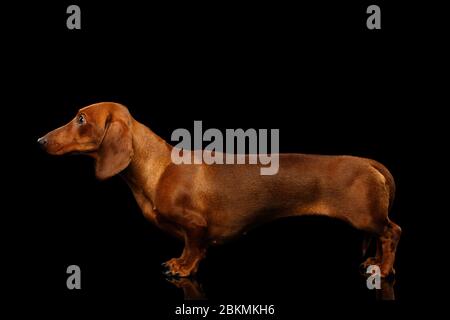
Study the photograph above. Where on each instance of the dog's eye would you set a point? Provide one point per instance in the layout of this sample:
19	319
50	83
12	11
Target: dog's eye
81	119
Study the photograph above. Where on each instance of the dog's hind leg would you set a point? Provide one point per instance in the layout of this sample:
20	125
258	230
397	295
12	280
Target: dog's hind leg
389	239
376	260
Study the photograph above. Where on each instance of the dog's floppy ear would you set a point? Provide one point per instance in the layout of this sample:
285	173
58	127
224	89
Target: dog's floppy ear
115	152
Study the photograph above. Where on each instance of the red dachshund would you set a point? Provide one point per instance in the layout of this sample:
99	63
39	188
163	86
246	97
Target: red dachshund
208	204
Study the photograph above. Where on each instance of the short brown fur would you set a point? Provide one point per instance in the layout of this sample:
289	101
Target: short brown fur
204	205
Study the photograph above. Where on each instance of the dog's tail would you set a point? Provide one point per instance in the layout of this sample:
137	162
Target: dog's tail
390	183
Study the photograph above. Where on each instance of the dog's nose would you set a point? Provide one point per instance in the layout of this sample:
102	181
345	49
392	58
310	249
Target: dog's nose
42	141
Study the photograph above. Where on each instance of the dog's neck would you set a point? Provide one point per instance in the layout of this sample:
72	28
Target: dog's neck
151	156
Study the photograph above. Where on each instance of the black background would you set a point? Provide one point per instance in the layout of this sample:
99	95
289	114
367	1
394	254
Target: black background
314	71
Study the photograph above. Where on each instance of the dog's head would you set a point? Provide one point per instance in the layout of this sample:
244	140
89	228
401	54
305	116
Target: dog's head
102	131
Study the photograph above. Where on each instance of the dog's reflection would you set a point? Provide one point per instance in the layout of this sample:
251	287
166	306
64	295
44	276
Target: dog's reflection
192	290
386	292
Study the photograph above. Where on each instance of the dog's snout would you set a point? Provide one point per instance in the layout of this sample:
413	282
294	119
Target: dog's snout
42	141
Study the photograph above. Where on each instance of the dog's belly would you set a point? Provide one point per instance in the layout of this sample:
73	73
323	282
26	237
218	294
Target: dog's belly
221	234
227	226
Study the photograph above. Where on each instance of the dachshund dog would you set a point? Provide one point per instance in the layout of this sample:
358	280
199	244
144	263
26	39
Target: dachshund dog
205	205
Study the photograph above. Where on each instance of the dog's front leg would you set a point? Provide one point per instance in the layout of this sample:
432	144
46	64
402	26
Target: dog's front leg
195	245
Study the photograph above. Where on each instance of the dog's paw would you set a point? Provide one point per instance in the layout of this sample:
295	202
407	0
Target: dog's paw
168	265
387	274
177	273
370	261
176	269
